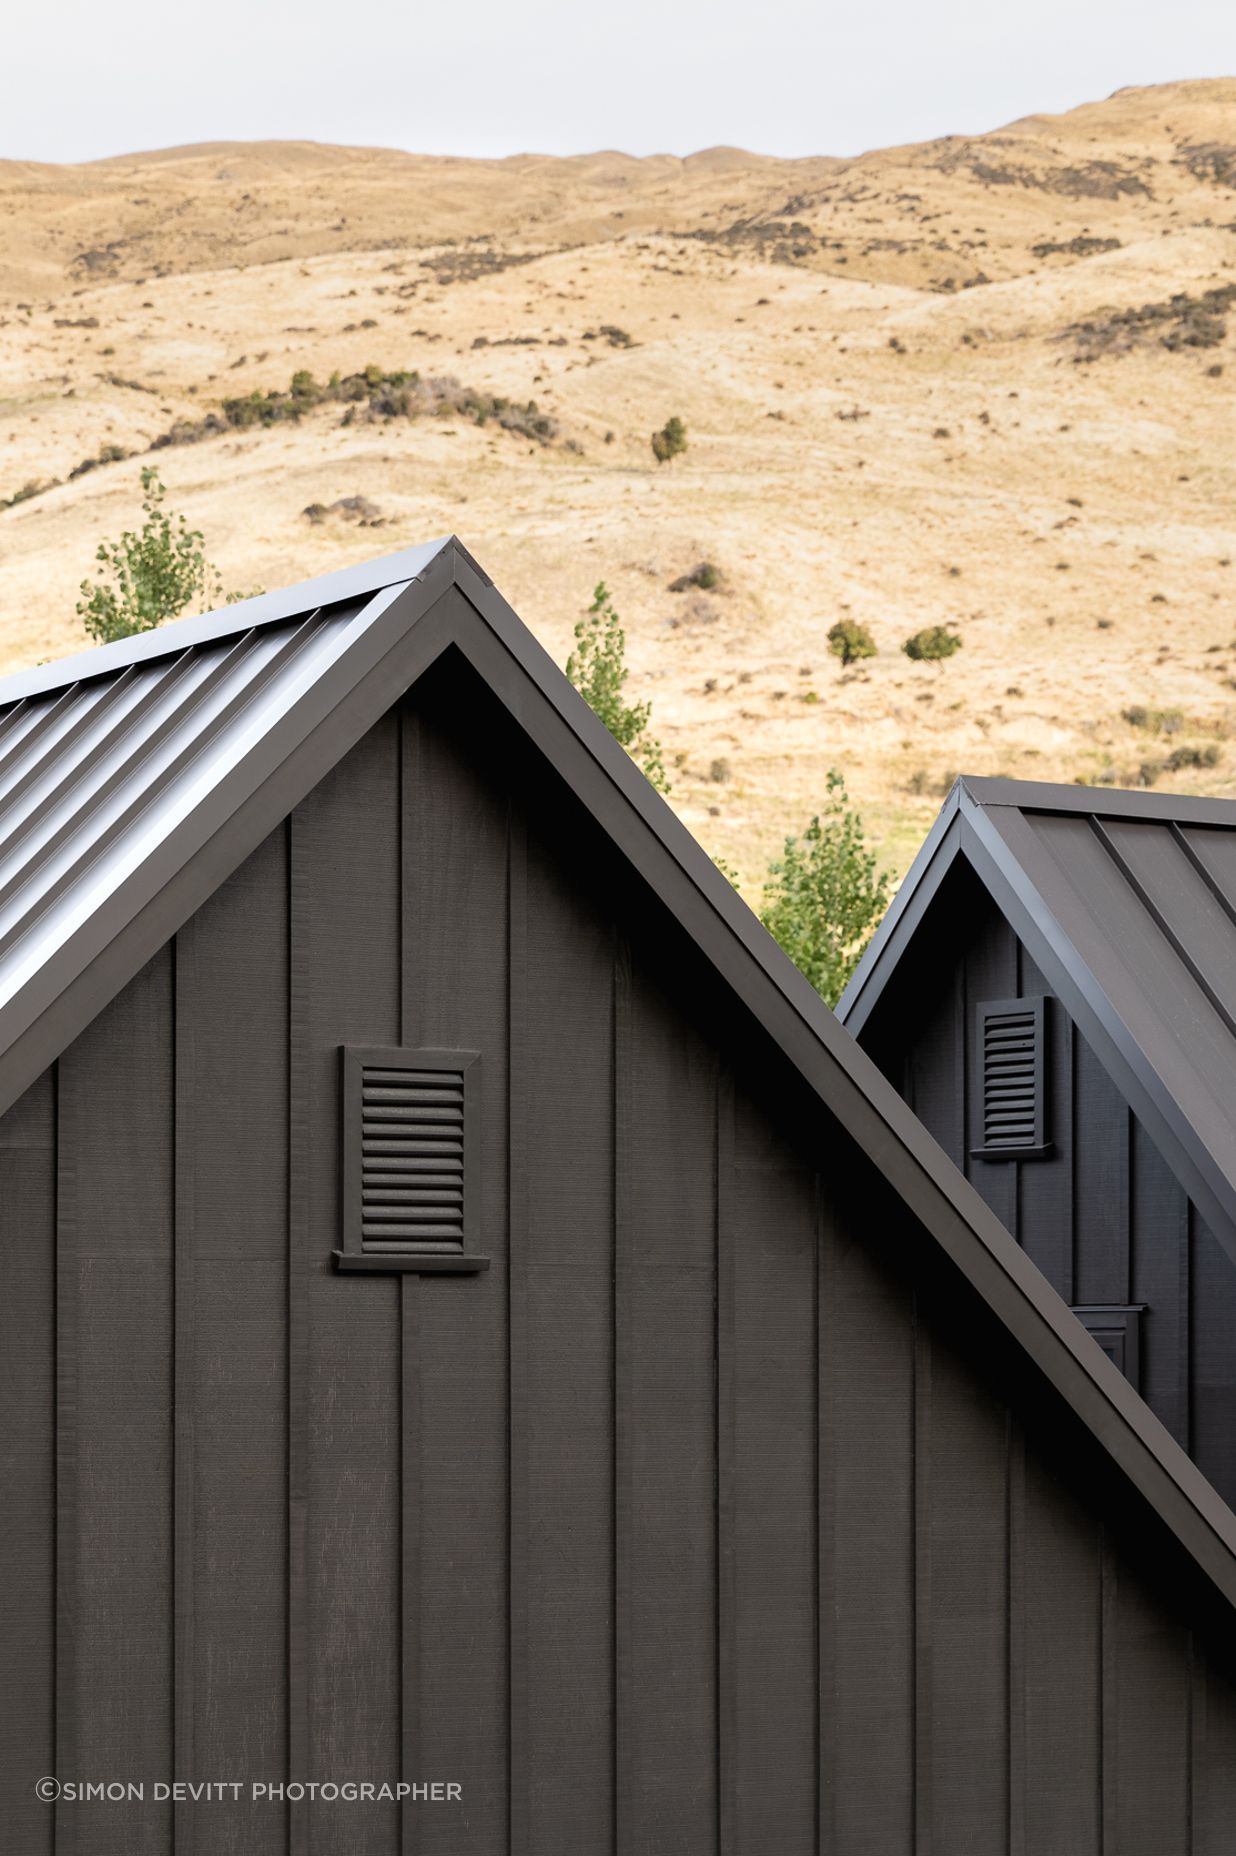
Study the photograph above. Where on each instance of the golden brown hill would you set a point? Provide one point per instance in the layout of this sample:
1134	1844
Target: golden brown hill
984	382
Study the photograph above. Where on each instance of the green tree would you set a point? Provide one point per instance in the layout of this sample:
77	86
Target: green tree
669	441
824	897
932	645
149	575
597	667
849	640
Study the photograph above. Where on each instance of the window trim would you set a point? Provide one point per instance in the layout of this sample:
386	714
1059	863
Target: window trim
436	1259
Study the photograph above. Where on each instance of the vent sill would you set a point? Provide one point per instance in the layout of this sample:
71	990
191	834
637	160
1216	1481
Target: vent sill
408	1262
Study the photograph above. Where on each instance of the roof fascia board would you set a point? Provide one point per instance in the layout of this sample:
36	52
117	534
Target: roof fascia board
257	793
1005	852
901	920
334	589
846	1082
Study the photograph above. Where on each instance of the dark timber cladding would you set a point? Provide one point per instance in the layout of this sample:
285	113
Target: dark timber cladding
758	1496
1111	917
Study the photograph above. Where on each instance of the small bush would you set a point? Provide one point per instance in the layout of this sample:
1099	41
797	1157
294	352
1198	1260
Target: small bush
932	645
597	668
851	641
670	441
147	576
705	576
824	898
1153	721
1193	754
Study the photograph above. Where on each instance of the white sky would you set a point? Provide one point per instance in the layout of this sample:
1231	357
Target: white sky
84	78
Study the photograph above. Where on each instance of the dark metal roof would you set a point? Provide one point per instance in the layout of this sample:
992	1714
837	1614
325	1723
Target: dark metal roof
1127	903
134	779
108	758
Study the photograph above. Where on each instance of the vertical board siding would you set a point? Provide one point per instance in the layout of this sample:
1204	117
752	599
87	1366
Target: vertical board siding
116	1102
1100	1182
1103	1216
867	1556
769	1216
296	1395
231	1189
1212	1381
455	958
27	1466
1045	1187
989	972
1213	1757
184	1388
961	1525
345	851
562	1074
1159	1278
1146	1702
936	1068
667	1192
1060	1629
698	1525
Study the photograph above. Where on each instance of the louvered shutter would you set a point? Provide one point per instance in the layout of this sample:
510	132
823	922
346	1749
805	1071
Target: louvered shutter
1011	1105
409	1160
412	1157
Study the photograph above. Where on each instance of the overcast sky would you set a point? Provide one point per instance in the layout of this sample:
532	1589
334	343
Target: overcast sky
85	78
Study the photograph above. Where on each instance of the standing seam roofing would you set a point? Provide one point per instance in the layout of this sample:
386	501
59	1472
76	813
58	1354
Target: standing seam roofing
1127	902
93	776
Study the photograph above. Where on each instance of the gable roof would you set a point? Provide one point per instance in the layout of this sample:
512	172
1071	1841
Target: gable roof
135	778
1127	905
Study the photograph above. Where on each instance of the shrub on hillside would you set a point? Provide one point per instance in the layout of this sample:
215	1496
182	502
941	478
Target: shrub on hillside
932	645
851	641
670	441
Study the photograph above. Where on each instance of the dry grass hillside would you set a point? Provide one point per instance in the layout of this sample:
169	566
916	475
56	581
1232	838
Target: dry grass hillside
985	382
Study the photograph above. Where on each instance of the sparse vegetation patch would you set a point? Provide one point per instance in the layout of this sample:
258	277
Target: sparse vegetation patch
358	509
463	264
1087	180
1210	161
705	576
1083	246
374	393
1179	322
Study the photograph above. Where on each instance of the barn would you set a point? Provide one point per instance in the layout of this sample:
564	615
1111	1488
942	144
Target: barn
1054	993
473	1320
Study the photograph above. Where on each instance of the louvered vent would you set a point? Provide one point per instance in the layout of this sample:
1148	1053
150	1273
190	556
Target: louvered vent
407	1158
412	1157
1012	1108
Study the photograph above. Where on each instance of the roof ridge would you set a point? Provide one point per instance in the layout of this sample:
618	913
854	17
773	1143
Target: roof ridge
263	609
1100	801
